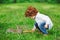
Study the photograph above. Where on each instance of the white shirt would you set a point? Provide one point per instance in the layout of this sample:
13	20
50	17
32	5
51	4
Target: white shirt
43	18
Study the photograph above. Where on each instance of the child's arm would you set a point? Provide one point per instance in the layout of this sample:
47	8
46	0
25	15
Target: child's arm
30	30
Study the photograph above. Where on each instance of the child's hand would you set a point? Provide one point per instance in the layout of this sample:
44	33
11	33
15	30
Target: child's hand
46	25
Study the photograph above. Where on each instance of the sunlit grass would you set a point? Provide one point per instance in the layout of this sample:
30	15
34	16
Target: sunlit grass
13	14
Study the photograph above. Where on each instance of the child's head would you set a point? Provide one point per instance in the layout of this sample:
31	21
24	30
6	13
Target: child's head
31	11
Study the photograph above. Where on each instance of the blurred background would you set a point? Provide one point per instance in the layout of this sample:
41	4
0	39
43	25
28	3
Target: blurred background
12	15
21	1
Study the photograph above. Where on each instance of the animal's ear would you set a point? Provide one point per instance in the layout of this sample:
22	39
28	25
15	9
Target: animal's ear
18	27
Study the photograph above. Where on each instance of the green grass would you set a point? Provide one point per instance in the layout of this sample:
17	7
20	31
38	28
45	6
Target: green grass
13	14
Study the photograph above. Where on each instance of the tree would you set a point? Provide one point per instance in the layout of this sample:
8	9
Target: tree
14	1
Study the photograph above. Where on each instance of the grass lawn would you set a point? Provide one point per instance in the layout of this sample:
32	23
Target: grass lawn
13	14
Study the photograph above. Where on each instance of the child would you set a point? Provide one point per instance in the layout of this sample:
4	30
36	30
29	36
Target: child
42	22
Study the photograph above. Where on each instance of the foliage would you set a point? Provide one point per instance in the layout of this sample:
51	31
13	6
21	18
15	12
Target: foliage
21	1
